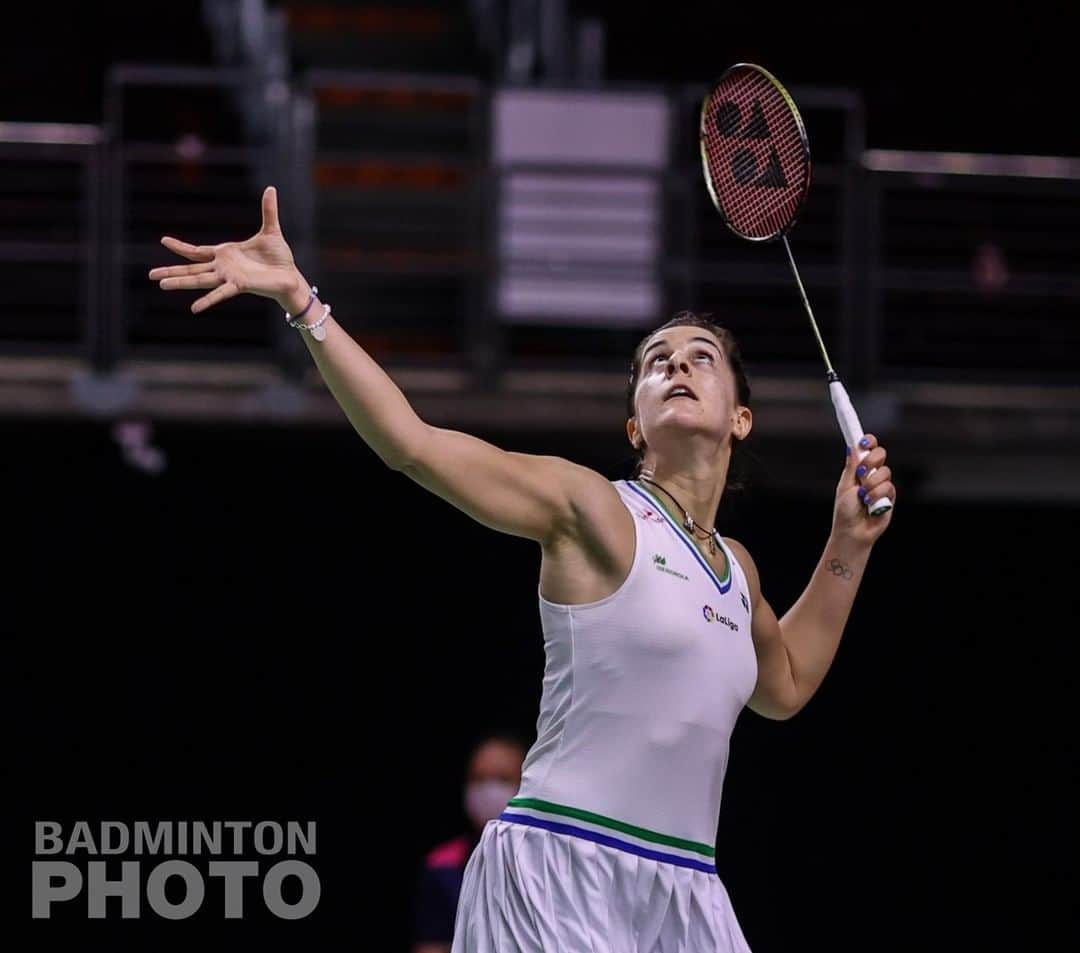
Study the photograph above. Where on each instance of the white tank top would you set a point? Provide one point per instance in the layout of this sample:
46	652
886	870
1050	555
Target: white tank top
641	693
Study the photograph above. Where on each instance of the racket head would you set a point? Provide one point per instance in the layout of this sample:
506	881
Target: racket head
755	153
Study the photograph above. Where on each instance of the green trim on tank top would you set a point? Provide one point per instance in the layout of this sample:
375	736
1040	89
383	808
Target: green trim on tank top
679	528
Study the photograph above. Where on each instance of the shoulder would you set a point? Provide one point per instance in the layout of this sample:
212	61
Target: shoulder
742	554
582	488
590	487
597	502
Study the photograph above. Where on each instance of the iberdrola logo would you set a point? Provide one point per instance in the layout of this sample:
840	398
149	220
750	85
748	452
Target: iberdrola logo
660	562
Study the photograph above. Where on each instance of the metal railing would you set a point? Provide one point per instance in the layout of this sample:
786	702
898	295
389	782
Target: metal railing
388	186
974	264
918	264
190	171
50	239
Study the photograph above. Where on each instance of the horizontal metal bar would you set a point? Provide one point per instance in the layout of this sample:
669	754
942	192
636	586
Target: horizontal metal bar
45	251
753	274
142	74
367	79
516	167
935	279
168	153
971	163
50	133
806	97
359	157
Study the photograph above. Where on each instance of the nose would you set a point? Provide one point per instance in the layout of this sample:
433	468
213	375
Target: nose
677	362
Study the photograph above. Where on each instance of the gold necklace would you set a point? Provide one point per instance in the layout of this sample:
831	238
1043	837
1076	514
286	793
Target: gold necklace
688	521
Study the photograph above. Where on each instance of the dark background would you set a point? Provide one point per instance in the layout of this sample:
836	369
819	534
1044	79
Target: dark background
933	77
250	636
280	628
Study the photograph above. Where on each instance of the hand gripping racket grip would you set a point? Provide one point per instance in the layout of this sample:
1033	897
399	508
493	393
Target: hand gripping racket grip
853	433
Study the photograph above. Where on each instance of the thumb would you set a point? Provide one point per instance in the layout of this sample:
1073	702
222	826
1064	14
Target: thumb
269	210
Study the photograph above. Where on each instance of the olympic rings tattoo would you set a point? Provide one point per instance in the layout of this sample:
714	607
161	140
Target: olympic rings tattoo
837	568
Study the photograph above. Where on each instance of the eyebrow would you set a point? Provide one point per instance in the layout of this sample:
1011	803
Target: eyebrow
663	342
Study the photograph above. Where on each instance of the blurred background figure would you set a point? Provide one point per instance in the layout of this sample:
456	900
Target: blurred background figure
989	270
492	777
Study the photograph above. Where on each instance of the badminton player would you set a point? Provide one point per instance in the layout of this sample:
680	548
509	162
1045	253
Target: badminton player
656	631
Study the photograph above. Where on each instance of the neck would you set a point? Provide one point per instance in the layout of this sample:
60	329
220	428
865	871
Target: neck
699	491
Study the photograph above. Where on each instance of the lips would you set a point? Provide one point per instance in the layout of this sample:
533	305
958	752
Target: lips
680	390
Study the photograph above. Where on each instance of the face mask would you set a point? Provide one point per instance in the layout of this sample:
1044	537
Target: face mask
486	800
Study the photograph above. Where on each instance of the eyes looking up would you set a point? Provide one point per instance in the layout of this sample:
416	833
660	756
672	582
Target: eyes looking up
701	356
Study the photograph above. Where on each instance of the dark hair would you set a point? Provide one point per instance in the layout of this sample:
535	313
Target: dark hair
496	736
734	359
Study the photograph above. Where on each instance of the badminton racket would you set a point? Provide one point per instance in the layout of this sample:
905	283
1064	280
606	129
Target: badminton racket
756	159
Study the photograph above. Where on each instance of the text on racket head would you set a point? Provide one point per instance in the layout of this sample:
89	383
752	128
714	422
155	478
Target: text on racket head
754	152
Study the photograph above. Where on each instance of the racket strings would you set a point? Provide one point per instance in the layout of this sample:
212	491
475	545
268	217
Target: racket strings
755	155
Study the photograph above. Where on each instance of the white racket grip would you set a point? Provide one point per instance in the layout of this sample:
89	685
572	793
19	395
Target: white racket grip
853	433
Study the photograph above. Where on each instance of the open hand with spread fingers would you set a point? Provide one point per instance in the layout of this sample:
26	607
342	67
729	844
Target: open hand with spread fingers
262	265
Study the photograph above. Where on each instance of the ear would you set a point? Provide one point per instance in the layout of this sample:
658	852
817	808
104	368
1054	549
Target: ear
743	423
633	433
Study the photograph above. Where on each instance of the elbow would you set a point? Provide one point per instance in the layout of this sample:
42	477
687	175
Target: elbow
775	707
789	713
786	713
399	462
794	702
793	705
396	459
776	713
788	704
402	455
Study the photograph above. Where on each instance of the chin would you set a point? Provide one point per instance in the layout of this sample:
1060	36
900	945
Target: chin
682	413
681	426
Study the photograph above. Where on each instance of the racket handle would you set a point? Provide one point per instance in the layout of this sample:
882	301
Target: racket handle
853	433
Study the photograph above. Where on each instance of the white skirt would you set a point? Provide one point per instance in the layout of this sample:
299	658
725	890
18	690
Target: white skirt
529	890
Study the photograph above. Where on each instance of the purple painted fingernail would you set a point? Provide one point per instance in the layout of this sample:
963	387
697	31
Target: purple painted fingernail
865	442
860	470
862	493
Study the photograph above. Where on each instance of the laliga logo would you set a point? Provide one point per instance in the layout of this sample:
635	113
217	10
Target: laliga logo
711	616
60	881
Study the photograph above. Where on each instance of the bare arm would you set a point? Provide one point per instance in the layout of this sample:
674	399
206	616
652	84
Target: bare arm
536	497
795	652
774	694
813	626
521	494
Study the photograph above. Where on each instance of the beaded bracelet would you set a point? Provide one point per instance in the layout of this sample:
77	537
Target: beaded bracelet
316	330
